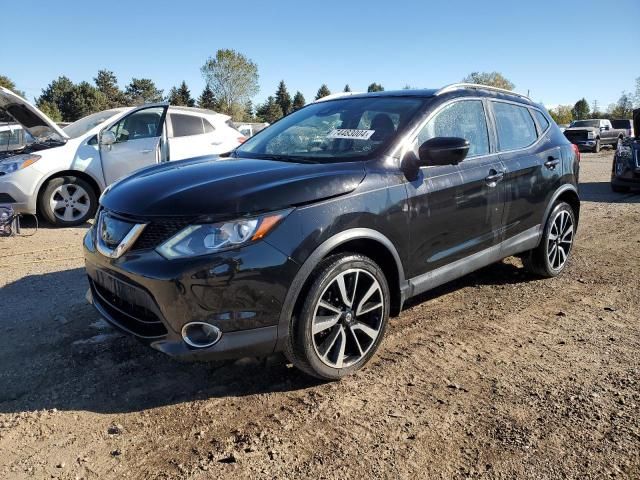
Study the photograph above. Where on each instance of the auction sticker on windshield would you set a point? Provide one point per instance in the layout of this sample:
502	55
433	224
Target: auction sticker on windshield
351	133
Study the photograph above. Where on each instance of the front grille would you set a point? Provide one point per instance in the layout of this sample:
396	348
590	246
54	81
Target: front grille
576	136
131	310
159	231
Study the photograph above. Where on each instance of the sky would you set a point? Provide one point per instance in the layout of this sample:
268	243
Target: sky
557	50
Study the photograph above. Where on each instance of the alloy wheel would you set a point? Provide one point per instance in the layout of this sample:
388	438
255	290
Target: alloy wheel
70	202
560	240
347	318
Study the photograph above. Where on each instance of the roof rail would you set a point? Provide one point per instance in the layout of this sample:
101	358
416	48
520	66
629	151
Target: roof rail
332	96
459	86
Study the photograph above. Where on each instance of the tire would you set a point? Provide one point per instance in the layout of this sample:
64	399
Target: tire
596	149
541	260
328	338
619	189
76	198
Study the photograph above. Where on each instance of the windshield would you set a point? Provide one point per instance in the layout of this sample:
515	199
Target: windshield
82	126
334	130
585	123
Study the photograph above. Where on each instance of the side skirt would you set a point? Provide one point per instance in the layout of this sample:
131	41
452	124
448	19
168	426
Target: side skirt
517	244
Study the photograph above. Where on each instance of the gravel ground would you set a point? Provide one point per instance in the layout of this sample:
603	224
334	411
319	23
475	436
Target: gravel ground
496	375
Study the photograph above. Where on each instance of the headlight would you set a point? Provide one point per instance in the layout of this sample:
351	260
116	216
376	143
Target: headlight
204	239
591	135
18	163
623	151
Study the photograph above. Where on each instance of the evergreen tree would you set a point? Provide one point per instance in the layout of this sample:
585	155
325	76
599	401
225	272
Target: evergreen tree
623	107
208	99
283	98
107	83
323	91
142	90
375	87
50	110
269	111
248	112
6	82
298	101
57	93
181	96
347	88
580	110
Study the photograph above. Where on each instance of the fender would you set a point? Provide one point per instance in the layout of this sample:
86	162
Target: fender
316	257
562	189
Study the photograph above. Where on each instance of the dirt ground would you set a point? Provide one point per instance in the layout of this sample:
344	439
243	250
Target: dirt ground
496	375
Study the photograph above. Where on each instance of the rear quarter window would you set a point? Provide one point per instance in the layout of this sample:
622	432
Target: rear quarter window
185	125
543	123
515	126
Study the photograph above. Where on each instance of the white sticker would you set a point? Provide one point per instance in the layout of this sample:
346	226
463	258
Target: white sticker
351	133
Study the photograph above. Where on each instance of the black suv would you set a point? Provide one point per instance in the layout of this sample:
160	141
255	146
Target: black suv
307	237
625	171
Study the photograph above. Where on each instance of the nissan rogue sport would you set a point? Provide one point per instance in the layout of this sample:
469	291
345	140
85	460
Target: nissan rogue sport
310	235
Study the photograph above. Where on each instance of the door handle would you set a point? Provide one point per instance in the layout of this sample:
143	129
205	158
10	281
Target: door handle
146	151
551	162
494	177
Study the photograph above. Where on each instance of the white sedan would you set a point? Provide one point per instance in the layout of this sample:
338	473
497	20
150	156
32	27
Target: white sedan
62	172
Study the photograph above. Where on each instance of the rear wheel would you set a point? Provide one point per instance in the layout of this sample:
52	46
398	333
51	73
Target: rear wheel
550	257
343	318
67	201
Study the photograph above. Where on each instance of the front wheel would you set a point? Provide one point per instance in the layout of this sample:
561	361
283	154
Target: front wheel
596	149
343	318
550	257
67	201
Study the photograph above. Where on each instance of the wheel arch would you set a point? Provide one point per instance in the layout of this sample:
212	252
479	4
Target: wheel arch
364	241
567	193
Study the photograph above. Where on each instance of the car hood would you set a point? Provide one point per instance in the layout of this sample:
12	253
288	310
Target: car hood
224	187
581	129
32	120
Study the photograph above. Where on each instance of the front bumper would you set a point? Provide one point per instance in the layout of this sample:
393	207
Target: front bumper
585	143
20	190
241	292
626	170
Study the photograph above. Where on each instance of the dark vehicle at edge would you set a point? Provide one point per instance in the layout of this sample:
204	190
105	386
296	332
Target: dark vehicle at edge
625	171
311	234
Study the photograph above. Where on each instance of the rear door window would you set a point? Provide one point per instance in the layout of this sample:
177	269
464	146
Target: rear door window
185	125
515	126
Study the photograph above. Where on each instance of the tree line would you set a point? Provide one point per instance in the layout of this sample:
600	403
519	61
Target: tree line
581	110
231	82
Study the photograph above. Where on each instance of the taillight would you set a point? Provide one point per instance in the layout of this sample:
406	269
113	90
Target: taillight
576	150
242	139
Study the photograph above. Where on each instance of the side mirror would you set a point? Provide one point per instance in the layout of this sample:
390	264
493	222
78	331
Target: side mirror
443	151
107	138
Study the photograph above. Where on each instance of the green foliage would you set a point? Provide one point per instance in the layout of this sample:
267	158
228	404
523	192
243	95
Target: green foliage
232	77
181	96
6	82
107	83
562	114
375	87
208	99
50	110
269	111
141	91
347	88
298	101
71	101
283	98
623	108
248	112
323	91
492	79
580	110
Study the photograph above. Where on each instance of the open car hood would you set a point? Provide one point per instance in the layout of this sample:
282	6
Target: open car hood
32	120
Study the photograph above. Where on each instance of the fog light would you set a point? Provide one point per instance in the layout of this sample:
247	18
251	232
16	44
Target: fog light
200	334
